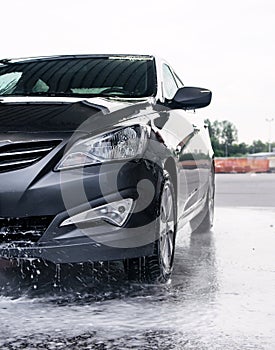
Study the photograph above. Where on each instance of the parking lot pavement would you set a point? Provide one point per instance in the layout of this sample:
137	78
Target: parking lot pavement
221	296
245	190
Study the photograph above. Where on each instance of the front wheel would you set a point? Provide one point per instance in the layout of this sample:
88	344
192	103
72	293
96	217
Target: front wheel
159	266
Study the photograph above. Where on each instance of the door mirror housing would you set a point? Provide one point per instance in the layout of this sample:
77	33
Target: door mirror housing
191	98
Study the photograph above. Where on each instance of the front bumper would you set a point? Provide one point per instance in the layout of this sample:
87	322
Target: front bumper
75	191
75	252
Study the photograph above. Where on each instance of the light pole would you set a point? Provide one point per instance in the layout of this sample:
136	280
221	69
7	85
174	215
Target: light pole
269	120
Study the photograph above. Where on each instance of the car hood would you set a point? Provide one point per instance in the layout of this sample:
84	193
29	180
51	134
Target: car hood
53	114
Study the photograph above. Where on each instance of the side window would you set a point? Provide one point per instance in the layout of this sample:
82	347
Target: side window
169	84
8	82
40	86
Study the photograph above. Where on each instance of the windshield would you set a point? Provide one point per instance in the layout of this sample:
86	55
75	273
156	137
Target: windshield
132	77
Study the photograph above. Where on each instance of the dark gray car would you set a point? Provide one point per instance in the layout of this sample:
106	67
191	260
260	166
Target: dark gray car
99	160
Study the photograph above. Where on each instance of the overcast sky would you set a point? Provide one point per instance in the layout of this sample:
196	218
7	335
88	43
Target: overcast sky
226	46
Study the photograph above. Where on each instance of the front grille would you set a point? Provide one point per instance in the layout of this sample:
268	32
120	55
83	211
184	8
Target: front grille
19	155
23	230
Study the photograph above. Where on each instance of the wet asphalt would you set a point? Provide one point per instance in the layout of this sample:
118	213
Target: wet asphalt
221	296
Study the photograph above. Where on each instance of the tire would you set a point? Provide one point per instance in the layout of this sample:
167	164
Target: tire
203	222
159	266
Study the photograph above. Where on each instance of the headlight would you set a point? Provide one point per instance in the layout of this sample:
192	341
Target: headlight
124	143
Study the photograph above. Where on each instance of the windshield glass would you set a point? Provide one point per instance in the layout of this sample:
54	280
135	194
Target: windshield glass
132	77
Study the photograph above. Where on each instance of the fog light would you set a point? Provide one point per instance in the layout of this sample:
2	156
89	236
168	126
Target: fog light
115	213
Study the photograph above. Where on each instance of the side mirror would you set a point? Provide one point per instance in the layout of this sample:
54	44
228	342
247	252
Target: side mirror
191	98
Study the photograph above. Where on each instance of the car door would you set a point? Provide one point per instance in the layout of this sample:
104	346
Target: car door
187	142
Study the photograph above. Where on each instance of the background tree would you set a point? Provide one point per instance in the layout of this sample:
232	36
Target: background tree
258	146
229	133
215	136
224	136
239	149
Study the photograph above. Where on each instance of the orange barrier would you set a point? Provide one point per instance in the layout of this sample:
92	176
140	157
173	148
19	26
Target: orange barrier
241	165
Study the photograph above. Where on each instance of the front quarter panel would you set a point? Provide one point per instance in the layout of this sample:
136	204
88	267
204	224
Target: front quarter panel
187	143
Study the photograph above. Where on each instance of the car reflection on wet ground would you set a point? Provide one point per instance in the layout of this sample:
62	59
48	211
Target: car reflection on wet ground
221	296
